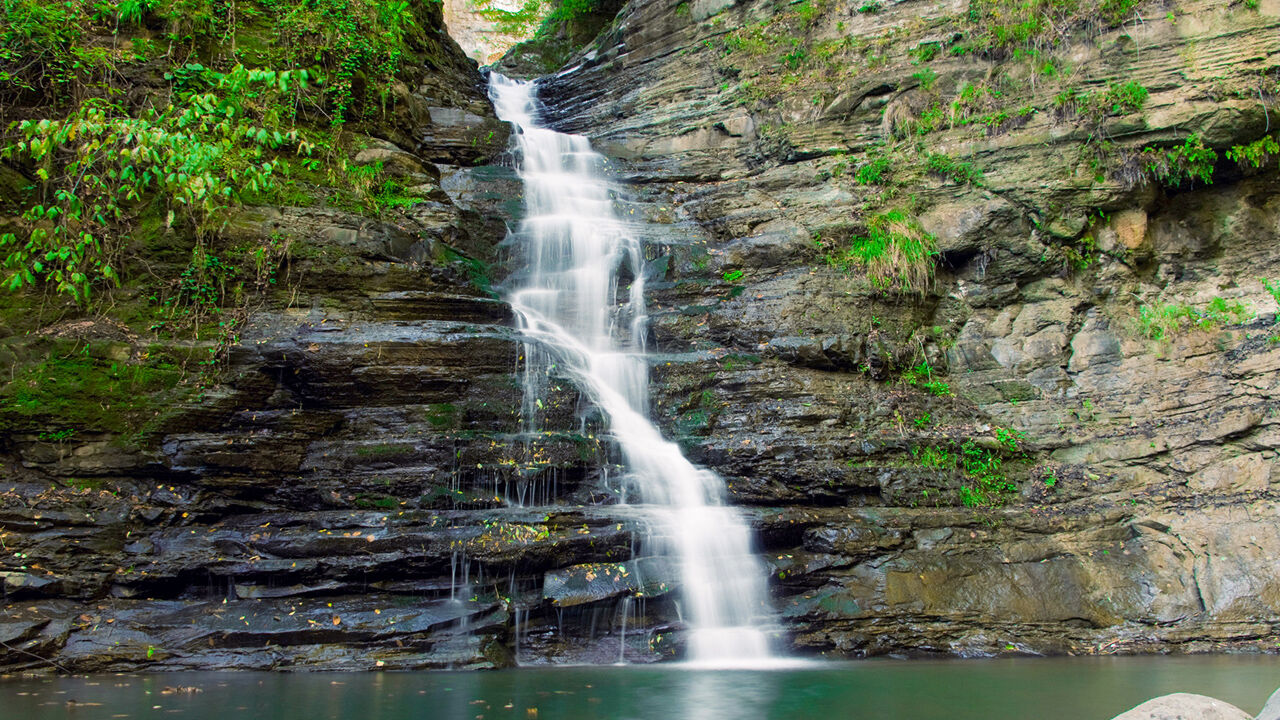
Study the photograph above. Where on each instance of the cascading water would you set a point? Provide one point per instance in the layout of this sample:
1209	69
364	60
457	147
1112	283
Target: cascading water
576	245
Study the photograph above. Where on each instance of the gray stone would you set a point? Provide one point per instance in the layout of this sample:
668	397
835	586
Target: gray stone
1271	710
1184	706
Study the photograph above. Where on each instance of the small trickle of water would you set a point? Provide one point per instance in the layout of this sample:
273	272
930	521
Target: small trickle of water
622	636
459	577
576	246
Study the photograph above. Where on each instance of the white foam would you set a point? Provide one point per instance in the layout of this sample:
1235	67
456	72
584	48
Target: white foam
568	305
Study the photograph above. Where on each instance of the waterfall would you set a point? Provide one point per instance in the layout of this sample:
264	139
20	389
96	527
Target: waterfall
577	247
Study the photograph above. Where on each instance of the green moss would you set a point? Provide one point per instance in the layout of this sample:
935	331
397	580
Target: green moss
93	484
369	501
476	271
82	389
442	416
734	361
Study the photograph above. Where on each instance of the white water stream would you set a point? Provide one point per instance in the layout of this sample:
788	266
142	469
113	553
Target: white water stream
576	245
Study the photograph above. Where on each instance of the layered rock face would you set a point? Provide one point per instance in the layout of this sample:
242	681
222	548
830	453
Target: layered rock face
349	489
1145	514
354	485
355	490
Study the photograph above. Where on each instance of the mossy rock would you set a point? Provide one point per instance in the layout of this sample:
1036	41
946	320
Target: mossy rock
88	386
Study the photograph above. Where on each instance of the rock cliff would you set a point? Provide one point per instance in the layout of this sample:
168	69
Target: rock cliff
1059	438
768	135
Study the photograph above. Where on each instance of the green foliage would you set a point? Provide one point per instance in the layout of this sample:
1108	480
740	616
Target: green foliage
1118	99
915	375
132	11
1009	438
733	276
369	189
570	10
567	26
983	462
961	173
922	375
1068	101
937	387
1185	163
53	49
748	39
1273	289
875	171
205	282
57	435
365	44
984	465
524	19
924	52
934	457
1255	154
933	117
926	77
807	11
1125	98
896	252
1164	321
969	104
111	169
1050	68
1115	12
796	56
35	42
100	168
1000	27
1083	255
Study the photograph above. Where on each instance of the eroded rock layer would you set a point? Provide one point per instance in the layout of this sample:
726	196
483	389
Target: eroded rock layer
1082	465
764	134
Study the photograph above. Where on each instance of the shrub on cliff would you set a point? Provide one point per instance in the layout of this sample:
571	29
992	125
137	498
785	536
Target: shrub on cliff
895	251
99	169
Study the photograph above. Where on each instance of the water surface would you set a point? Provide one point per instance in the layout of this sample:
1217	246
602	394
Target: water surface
1034	689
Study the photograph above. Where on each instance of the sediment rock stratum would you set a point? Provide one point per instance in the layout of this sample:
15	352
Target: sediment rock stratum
349	494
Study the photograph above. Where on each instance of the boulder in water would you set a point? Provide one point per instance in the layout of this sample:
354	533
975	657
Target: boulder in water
1271	711
1184	706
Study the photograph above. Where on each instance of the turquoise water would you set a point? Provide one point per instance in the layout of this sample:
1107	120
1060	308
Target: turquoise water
1039	689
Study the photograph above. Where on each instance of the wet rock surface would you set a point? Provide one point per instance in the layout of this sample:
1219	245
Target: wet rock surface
356	488
1142	520
359	490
